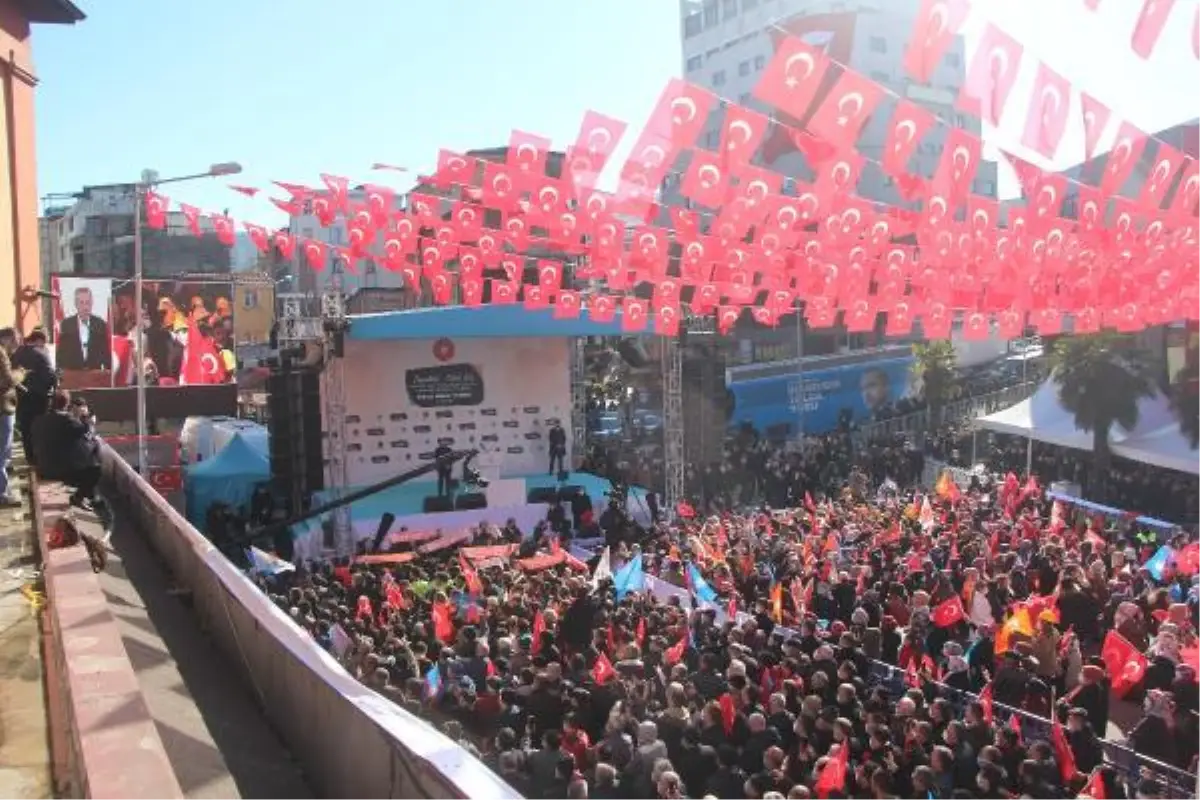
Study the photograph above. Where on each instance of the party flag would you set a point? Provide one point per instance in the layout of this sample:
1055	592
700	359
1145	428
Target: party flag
630	578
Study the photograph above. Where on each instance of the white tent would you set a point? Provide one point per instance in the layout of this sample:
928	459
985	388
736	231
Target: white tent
1156	439
1167	447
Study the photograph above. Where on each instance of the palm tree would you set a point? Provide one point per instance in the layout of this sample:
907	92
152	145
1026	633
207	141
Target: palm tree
1101	378
934	371
1185	399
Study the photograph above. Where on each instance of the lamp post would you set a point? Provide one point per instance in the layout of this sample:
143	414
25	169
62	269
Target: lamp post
140	189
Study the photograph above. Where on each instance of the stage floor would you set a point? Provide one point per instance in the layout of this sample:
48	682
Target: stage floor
407	501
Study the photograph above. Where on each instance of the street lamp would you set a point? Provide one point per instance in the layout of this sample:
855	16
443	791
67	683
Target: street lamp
140	189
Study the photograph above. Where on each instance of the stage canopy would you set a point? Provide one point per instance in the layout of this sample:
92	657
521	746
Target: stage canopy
1156	439
481	322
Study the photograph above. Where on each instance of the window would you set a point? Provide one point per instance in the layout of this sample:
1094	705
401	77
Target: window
744	69
953	59
711	54
250	298
711	14
879	76
759	63
692	25
694	63
718	78
878	44
712	139
730	9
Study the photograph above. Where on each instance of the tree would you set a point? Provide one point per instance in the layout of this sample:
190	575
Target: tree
934	371
1101	378
1185	399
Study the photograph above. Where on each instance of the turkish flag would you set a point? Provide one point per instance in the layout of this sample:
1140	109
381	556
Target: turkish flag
191	216
156	210
1126	666
201	362
1149	25
948	612
602	670
986	702
258	235
539	627
339	188
844	111
1047	114
674	654
994	69
1095	119
833	775
792	78
908	125
742	134
936	24
443	627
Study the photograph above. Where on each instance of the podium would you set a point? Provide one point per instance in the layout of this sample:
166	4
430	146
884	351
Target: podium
505	492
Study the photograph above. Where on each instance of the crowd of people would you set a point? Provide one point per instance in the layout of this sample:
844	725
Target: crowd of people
757	677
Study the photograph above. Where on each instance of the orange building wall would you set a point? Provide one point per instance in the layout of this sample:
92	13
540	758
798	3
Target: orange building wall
19	259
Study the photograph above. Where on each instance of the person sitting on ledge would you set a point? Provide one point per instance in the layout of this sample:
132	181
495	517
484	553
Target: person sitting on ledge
67	449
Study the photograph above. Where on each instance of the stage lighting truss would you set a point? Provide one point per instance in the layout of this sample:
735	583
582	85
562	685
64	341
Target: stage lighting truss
672	382
579	398
334	323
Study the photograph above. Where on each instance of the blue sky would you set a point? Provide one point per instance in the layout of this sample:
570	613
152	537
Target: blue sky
292	89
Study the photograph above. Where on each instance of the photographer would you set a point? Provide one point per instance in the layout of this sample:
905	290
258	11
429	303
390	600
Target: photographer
67	449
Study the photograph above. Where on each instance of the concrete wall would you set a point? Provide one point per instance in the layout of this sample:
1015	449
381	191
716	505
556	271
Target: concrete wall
20	265
350	741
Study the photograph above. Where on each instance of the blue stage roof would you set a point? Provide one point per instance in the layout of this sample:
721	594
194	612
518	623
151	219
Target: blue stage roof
479	322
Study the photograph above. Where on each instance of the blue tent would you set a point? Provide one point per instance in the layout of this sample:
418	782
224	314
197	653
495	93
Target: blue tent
228	477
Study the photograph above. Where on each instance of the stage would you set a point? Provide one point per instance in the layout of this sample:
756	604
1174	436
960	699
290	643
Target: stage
407	500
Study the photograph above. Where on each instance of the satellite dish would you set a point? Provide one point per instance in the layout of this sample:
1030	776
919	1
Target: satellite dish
149	176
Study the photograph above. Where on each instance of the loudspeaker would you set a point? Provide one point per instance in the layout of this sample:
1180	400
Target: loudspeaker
436	504
567	493
469	501
632	352
294	434
542	494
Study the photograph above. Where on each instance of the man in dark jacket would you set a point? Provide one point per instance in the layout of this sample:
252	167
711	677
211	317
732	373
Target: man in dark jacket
33	398
67	449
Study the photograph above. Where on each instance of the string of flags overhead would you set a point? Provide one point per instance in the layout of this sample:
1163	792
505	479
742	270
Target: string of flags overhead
749	240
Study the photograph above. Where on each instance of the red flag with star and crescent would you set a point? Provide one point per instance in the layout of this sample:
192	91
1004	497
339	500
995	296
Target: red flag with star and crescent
1125	664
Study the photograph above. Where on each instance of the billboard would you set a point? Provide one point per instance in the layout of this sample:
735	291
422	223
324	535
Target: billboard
83	337
188	327
865	390
404	398
189	331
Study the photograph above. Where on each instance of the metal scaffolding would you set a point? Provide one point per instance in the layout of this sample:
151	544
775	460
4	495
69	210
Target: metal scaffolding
335	323
579	389
672	387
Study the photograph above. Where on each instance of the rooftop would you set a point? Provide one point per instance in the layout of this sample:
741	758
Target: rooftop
53	12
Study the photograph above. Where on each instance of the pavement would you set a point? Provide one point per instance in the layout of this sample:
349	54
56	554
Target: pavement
217	741
24	738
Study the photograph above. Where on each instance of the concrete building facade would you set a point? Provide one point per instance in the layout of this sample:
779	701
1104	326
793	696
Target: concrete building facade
20	231
95	237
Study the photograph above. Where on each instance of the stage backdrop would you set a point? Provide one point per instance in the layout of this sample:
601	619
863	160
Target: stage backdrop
404	397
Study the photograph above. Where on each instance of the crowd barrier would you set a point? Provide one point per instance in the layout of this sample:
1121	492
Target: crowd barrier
1131	766
350	741
968	408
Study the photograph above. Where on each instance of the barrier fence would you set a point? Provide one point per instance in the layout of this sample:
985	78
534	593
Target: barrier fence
350	741
1128	763
968	408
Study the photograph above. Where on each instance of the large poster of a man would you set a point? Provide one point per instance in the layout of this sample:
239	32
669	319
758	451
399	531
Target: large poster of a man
188	328
82	336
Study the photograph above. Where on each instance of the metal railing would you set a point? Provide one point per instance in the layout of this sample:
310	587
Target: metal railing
1131	765
918	422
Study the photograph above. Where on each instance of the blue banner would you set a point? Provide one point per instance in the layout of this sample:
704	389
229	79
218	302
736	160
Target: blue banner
865	390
